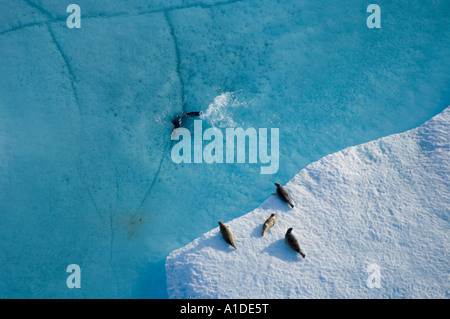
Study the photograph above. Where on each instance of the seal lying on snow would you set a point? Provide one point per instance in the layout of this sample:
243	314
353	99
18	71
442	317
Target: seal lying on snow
268	223
292	242
226	234
281	192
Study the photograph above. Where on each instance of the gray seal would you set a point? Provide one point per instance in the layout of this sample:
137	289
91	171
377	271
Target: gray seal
268	223
226	234
281	192
292	242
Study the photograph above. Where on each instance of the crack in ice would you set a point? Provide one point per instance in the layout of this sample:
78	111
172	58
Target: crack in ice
51	19
178	60
147	194
68	67
72	77
39	8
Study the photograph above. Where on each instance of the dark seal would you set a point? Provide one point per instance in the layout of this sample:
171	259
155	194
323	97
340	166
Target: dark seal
281	192
292	242
178	120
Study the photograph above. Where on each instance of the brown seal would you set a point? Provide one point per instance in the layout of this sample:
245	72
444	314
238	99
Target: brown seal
226	234
268	223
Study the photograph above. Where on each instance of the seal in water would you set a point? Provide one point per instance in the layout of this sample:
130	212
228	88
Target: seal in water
292	242
226	234
178	120
268	223
281	192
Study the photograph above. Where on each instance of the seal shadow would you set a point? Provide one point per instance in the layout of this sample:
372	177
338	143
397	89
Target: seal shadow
275	203
280	250
223	245
256	233
216	242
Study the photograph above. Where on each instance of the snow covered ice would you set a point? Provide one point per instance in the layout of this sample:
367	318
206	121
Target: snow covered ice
380	204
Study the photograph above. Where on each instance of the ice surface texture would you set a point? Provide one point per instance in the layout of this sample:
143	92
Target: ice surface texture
384	203
85	120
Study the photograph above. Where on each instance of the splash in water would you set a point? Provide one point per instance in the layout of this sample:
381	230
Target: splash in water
219	113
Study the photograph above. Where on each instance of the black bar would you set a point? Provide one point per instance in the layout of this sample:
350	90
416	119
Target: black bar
227	308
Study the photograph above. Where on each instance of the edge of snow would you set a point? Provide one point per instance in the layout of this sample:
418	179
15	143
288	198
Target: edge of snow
372	220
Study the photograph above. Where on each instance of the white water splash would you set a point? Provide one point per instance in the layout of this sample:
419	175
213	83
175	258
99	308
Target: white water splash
218	112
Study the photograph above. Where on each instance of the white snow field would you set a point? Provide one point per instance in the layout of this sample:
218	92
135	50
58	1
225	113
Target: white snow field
383	204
